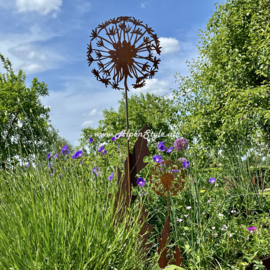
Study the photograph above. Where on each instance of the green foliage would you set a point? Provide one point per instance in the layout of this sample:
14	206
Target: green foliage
230	79
150	109
16	101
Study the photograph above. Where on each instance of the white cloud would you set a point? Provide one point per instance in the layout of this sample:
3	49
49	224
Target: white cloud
169	45
83	7
86	123
41	6
142	5
153	86
93	112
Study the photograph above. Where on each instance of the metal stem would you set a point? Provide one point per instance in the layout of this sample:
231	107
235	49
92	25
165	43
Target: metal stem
126	88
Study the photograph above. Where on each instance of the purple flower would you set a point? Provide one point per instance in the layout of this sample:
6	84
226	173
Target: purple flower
65	150
56	155
60	174
110	177
100	149
174	170
91	140
170	150
39	164
180	144
49	155
27	165
113	138
182	159
142	194
49	166
118	146
157	158
185	164
51	174
77	154
212	180
161	147
97	174
141	182
104	152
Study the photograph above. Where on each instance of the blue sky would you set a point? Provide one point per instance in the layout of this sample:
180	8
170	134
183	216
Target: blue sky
48	39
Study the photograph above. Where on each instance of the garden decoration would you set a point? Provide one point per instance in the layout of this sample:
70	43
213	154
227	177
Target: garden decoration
119	53
165	179
140	150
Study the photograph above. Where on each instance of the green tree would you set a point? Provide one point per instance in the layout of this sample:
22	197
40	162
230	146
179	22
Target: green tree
150	109
24	127
226	98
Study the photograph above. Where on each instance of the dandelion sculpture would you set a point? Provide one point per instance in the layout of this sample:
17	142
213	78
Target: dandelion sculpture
167	177
120	53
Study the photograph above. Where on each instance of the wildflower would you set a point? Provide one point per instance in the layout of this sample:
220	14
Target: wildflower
49	155
49	166
181	159
216	244
185	215
252	229
56	155
95	170
91	140
179	220
39	164
180	144
216	234
213	228
77	154
60	174
83	160
113	139
65	150
141	182
170	150
157	158
188	207
142	194
110	177
202	191
103	225
118	146
161	147
51	174
224	227
203	213
105	151
233	211
100	149
174	170
212	180
185	164
27	165
221	215
209	201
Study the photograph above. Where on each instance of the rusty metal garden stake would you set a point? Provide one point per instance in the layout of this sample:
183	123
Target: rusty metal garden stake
121	51
165	179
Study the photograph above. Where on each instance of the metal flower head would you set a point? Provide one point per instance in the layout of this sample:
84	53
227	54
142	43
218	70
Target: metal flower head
167	176
120	51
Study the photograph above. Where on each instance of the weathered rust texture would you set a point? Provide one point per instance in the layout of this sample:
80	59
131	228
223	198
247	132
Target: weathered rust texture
140	151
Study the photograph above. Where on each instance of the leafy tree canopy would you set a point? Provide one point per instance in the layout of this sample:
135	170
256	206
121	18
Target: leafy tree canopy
150	109
24	127
226	98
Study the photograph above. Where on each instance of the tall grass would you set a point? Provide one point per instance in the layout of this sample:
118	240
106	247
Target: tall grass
60	217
